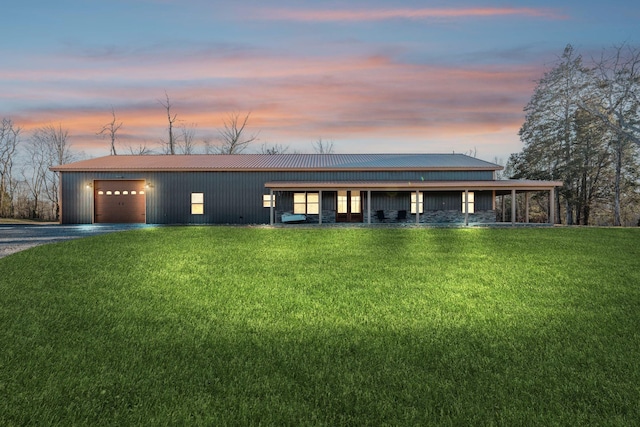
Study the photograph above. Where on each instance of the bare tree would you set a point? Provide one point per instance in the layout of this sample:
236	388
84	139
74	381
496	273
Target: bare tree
49	146
110	130
273	149
616	92
140	150
171	143
34	176
209	147
615	100
322	147
232	137
9	137
186	143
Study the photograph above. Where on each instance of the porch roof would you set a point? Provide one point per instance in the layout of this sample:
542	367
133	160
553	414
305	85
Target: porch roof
498	185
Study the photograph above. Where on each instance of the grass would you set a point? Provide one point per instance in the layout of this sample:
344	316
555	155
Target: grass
248	326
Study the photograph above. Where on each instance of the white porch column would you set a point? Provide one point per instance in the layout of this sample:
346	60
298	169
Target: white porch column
271	212
417	207
504	208
368	206
320	207
466	207
552	206
526	204
513	206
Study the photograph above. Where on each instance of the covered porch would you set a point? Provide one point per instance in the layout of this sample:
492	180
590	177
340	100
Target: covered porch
419	202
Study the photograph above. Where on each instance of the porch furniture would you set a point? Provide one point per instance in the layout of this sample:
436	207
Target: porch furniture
293	218
381	217
402	215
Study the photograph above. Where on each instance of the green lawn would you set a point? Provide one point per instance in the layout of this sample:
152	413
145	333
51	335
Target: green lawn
248	326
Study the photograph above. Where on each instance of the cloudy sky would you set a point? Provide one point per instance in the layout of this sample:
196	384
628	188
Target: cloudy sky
371	76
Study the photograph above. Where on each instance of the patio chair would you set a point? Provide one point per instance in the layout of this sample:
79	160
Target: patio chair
381	217
402	215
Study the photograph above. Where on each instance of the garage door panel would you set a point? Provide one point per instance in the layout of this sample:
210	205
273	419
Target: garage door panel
120	202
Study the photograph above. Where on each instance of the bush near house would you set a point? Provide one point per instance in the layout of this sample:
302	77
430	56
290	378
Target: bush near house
247	326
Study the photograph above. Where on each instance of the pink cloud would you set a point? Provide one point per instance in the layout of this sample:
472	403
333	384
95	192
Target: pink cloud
415	14
293	100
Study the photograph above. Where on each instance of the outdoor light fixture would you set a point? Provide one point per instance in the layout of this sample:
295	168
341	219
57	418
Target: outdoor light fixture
148	185
89	185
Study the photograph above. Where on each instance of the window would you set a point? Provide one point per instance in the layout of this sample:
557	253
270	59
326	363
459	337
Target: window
306	203
471	203
197	203
355	202
266	200
420	203
342	202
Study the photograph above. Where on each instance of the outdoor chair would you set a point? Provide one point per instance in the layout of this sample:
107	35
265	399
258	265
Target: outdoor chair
402	215
381	217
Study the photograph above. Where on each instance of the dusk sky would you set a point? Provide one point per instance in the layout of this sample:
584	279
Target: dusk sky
371	76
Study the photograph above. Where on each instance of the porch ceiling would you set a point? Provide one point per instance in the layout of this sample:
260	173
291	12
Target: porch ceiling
500	185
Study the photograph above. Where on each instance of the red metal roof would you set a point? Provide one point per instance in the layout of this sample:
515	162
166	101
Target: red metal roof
260	162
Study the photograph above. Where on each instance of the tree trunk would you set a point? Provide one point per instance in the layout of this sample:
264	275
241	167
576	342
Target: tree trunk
617	180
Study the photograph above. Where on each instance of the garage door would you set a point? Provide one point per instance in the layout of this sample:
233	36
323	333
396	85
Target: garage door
120	201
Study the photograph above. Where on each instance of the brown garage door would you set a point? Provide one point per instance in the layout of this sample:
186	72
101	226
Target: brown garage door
120	201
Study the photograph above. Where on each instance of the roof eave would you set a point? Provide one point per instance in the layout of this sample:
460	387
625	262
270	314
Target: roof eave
62	168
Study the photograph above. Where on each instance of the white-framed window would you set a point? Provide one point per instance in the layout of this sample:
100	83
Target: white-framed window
197	203
417	205
306	203
266	200
471	202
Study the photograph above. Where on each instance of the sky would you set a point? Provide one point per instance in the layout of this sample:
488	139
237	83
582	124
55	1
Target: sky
371	76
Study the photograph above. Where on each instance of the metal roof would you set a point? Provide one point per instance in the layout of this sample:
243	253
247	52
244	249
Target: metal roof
279	162
500	185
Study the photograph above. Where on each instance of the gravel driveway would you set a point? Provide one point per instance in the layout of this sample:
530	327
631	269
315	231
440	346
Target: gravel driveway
18	237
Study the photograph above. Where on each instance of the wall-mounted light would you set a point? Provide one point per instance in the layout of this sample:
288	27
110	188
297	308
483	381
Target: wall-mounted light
89	185
148	185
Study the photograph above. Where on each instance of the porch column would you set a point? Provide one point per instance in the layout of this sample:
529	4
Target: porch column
417	207
552	207
526	204
271	213
320	207
513	206
493	201
504	208
368	206
466	207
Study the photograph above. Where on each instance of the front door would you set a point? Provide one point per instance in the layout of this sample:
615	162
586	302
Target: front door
349	206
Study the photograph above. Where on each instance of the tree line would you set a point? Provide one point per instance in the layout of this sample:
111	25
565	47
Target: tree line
582	127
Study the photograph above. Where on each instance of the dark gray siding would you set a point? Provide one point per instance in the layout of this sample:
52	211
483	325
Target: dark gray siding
235	197
452	200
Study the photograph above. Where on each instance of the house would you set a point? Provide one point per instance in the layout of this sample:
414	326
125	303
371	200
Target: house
269	189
